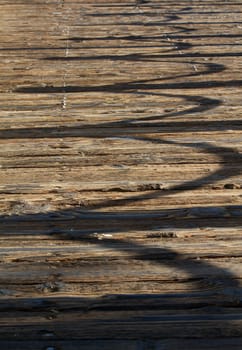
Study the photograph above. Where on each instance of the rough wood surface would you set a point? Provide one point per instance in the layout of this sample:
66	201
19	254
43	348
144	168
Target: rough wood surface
120	174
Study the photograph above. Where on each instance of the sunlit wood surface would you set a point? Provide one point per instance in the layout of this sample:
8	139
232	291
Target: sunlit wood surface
121	174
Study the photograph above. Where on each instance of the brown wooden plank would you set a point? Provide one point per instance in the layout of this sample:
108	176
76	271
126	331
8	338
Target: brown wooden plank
120	174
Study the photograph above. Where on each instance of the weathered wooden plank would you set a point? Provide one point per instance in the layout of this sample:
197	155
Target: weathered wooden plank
120	185
111	201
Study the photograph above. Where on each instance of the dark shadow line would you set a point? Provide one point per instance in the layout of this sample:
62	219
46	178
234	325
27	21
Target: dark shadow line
143	58
130	87
163	37
155	14
157	24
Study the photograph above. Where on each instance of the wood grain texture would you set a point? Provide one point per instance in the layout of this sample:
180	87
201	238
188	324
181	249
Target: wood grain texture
120	174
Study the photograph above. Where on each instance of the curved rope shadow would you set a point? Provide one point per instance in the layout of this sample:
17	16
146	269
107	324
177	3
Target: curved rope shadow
86	221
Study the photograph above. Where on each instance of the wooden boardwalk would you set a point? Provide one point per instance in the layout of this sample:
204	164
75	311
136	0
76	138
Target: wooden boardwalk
121	174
